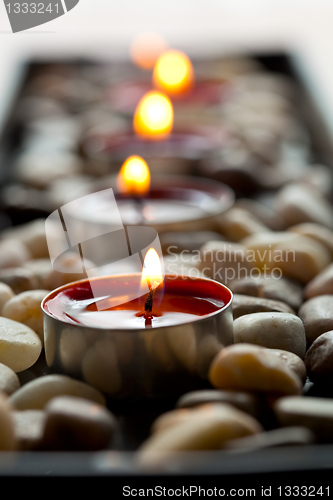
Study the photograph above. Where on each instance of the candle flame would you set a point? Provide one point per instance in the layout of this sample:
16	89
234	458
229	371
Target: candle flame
173	72
146	49
134	177
152	270
153	117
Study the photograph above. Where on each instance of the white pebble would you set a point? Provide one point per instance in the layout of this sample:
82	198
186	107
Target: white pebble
20	346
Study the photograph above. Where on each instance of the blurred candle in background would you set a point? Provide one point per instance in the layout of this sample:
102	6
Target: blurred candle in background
146	49
173	72
134	177
153	117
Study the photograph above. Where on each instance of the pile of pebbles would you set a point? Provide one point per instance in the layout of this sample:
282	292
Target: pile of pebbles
272	387
273	248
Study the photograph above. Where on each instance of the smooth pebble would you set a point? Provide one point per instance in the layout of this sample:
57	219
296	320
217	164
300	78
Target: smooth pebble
246	304
74	423
6	293
262	212
298	203
40	268
8	440
37	393
20	346
316	231
245	401
317	316
319	359
283	289
224	262
294	362
29	427
321	284
26	308
206	427
13	253
69	268
292	255
237	223
170	418
303	259
315	413
20	279
246	367
9	381
32	235
275	330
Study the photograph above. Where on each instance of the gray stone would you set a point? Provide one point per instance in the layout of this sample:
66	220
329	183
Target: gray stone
275	330
74	423
19	279
319	359
313	413
317	316
29	426
322	284
245	401
282	289
9	381
246	304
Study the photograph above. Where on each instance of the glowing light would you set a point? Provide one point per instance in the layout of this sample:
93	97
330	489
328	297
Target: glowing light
146	49
149	212
173	72
152	269
134	177
153	117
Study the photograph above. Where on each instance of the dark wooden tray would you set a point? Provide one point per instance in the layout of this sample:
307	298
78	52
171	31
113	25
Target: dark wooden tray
135	420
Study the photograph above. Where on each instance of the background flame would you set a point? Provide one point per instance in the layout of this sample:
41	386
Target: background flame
153	116
146	49
173	72
134	177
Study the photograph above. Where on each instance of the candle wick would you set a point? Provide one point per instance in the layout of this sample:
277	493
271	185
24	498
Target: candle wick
149	303
150	299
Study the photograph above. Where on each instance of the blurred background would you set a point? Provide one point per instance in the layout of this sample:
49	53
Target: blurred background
48	108
106	29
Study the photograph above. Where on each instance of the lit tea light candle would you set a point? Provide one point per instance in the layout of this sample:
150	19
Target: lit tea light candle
134	177
155	344
153	117
173	73
153	137
166	203
152	275
146	49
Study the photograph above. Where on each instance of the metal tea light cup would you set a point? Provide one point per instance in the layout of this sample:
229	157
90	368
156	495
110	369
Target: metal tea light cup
136	364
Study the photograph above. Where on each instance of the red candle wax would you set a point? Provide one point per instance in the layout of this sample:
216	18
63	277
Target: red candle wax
176	301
